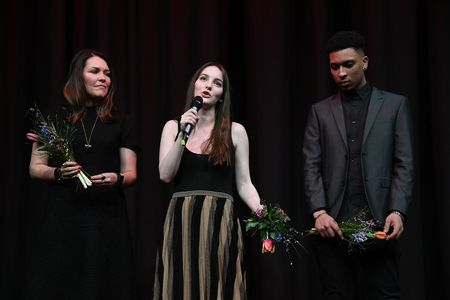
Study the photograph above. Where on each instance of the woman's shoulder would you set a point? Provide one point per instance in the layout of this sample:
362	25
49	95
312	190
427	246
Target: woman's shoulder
238	133
237	128
171	127
171	124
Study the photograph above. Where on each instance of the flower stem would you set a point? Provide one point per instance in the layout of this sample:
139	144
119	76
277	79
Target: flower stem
85	181
80	177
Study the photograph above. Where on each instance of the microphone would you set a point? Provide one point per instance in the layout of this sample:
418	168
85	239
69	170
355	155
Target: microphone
196	104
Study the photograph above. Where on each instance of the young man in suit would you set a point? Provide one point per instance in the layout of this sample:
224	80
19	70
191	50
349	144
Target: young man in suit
357	155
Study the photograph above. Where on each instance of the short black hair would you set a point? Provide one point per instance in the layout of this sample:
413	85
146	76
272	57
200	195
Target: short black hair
346	39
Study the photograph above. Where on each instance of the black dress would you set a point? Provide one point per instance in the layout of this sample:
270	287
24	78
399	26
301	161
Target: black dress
84	248
202	250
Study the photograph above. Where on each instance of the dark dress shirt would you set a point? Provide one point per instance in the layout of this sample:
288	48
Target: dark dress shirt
355	104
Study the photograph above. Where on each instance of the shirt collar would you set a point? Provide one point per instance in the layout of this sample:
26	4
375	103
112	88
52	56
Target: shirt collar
358	94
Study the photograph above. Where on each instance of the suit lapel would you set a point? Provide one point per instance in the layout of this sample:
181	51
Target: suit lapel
338	114
376	101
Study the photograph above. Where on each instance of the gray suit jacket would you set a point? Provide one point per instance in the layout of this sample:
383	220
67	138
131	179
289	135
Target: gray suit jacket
386	158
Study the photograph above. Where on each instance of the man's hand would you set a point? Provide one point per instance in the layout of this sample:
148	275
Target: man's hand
326	225
395	222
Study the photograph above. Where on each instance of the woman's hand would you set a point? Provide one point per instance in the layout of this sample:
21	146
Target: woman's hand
189	117
259	208
69	170
105	179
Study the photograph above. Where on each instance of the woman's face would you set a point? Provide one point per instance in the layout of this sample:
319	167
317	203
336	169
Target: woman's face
209	85
96	77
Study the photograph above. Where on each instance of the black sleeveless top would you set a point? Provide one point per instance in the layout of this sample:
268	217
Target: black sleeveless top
196	172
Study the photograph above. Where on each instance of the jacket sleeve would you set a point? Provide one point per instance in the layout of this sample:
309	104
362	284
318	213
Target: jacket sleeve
312	163
403	163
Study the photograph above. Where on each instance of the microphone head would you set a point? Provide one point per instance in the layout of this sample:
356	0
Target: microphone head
197	102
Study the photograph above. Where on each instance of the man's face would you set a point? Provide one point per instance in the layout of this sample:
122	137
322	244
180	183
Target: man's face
347	68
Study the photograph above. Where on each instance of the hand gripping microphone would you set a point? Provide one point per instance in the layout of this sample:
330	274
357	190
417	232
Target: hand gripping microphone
196	104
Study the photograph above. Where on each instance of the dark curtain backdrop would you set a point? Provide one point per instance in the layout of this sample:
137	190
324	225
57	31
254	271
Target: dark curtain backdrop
274	53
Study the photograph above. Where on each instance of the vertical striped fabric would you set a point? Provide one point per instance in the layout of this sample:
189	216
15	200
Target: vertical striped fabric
202	250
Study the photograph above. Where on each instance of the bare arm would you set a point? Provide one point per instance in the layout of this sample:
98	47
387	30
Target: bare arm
245	187
128	169
128	162
39	168
170	151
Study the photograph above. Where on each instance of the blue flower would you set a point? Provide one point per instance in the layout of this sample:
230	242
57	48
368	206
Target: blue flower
45	131
359	237
279	237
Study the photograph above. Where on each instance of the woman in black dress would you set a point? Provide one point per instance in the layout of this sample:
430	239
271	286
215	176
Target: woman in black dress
84	249
201	256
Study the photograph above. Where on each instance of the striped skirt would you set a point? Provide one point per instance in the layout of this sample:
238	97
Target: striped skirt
202	250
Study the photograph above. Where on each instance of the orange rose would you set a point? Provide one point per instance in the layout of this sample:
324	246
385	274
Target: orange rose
381	235
268	246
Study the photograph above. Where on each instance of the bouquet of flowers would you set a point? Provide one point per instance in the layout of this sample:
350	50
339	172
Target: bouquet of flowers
272	224
359	231
54	138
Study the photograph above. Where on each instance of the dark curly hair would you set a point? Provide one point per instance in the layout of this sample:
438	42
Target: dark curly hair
346	39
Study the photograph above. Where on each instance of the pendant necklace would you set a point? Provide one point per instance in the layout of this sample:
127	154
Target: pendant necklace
88	140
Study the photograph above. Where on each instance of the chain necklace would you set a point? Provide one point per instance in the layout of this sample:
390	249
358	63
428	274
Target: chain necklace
88	140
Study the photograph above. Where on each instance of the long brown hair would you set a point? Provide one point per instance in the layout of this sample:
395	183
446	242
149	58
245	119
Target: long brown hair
219	144
75	89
